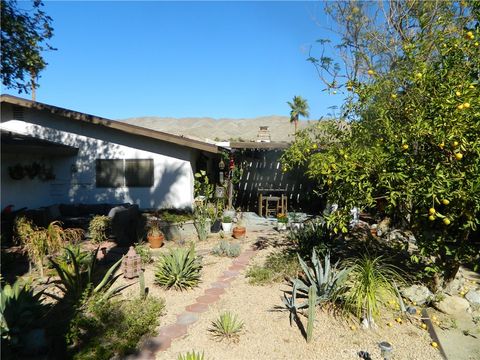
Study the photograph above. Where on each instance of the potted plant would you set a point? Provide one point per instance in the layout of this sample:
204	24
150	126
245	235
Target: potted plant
155	236
227	223
282	221
239	230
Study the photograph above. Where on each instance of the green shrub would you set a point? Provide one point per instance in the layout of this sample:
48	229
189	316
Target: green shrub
227	327
370	281
225	248
191	356
143	250
99	228
179	269
314	235
277	267
106	329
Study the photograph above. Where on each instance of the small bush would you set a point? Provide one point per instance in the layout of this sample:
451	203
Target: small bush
179	269
143	250
105	329
191	356
227	327
225	248
99	228
278	266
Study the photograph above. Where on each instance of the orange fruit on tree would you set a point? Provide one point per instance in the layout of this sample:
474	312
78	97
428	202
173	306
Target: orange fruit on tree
432	211
445	202
459	156
446	221
431	218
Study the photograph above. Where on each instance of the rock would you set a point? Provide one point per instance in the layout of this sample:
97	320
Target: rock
452	305
418	294
383	226
400	236
454	286
473	297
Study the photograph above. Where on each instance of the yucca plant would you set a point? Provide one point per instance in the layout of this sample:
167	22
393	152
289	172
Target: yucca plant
77	282
227	327
191	356
370	282
179	269
327	279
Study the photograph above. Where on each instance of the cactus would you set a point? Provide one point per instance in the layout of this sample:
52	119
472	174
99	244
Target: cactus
141	281
312	299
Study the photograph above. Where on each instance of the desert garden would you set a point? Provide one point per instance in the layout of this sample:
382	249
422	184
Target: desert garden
386	267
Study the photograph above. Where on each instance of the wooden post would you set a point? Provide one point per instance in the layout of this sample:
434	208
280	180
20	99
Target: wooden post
260	204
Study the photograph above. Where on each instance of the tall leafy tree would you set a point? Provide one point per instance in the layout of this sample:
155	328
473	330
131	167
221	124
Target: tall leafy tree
299	107
412	78
24	36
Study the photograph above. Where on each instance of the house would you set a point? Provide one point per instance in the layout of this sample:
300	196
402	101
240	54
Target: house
51	155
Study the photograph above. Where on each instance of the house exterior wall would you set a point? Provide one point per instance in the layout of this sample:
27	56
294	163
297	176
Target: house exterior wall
75	175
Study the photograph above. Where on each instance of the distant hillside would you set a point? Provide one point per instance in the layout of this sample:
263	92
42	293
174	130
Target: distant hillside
221	129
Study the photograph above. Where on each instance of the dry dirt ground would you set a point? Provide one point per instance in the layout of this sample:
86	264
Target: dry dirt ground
267	333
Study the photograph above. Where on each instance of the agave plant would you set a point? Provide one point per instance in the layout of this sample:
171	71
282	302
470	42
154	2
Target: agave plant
227	326
191	356
179	269
77	282
20	307
327	279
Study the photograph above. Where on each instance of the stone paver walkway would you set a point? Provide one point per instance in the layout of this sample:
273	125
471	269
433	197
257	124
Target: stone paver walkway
192	312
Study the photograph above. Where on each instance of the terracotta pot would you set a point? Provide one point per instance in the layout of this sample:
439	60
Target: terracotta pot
239	232
155	241
373	231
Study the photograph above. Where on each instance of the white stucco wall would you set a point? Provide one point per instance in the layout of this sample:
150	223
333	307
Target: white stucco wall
173	169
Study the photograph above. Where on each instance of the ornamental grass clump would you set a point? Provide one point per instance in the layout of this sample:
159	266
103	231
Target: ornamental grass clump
179	269
227	327
370	282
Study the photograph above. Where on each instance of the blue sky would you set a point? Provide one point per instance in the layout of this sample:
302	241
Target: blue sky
183	59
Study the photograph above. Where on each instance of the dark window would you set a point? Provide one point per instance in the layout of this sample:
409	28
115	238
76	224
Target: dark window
119	172
139	172
109	173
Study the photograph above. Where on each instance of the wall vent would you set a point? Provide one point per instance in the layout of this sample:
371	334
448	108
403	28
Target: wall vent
18	113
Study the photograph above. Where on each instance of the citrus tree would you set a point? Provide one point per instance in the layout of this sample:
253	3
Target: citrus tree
413	139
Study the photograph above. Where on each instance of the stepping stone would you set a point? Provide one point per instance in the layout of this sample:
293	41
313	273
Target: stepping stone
236	267
173	331
187	318
226	279
229	273
197	308
220	284
157	343
207	299
215	291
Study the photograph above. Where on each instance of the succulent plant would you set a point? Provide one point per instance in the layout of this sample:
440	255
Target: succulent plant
225	248
325	279
312	299
191	356
227	326
179	269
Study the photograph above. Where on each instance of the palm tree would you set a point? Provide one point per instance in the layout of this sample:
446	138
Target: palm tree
299	107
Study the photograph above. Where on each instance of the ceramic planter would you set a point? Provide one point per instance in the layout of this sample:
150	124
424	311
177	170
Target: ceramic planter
296	225
239	232
155	241
227	227
281	226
